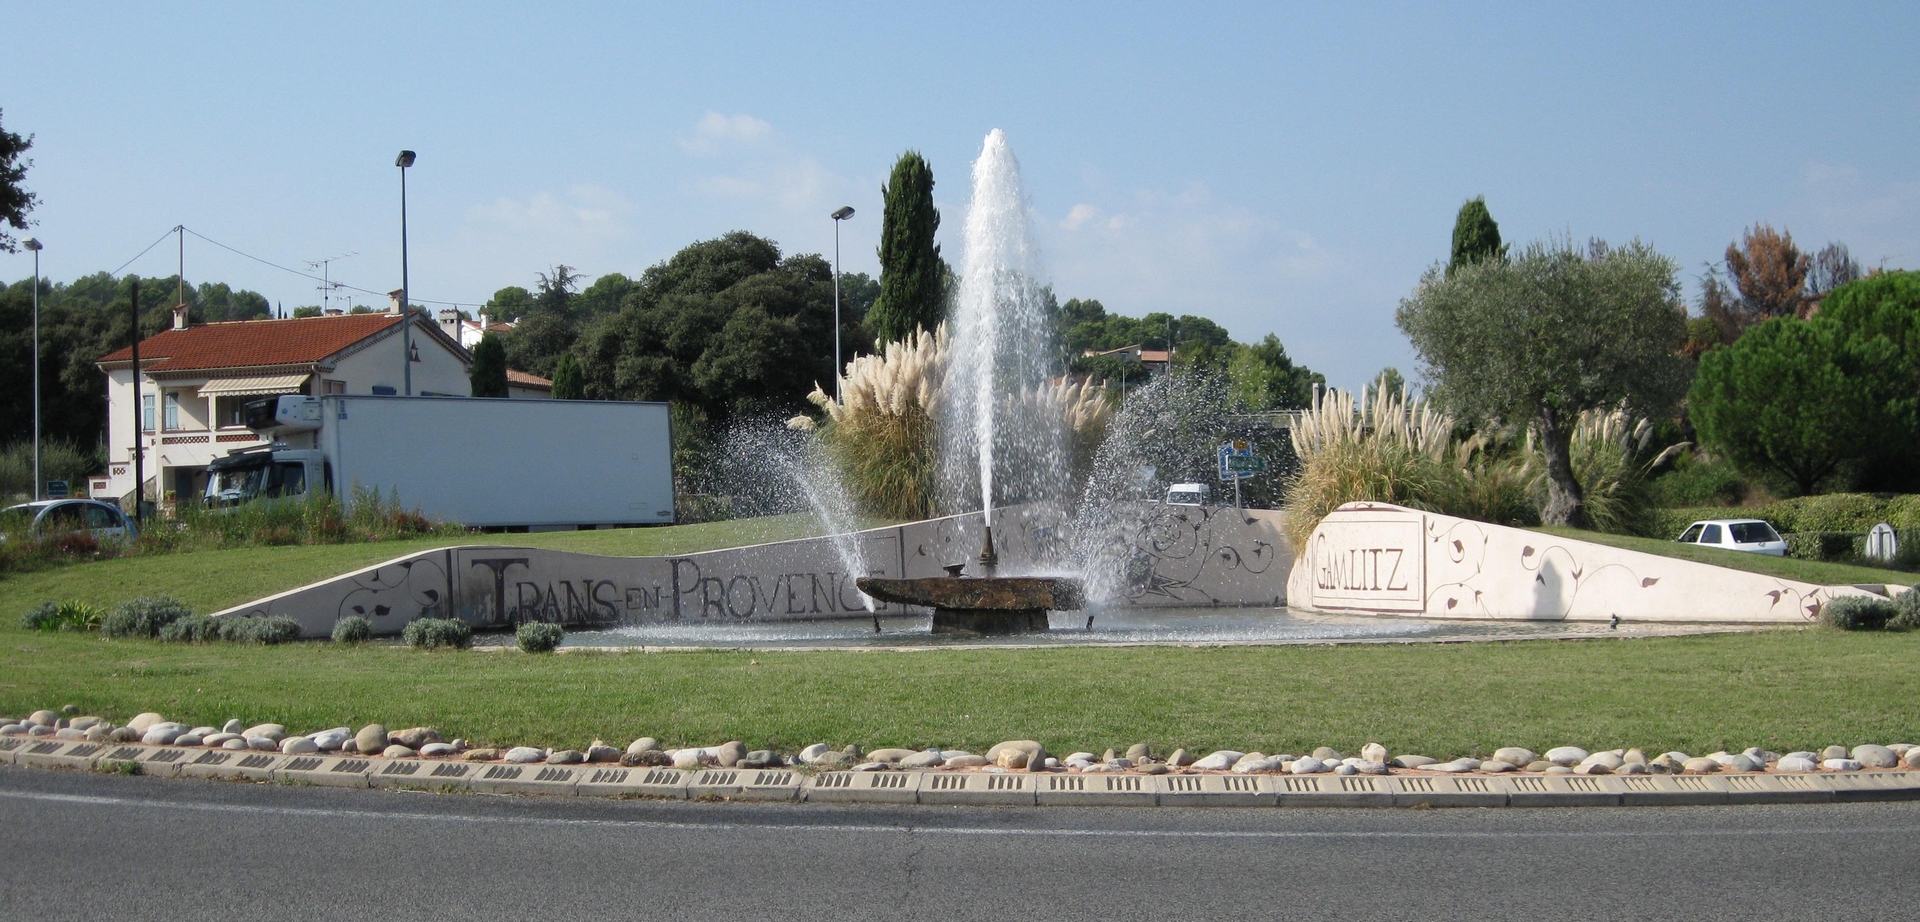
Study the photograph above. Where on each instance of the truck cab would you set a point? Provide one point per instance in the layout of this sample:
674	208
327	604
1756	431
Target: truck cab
268	474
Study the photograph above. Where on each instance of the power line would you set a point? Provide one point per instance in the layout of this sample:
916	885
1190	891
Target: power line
305	275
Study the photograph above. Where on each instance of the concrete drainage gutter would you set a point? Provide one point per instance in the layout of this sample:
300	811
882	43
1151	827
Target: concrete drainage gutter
1407	789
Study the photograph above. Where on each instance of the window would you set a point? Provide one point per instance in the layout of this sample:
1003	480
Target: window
1711	535
172	420
333	387
1752	532
99	517
1692	534
146	412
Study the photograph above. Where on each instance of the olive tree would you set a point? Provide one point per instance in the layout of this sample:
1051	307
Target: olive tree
1540	337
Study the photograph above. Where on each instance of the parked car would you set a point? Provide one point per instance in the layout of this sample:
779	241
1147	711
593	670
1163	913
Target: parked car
1750	535
63	516
1189	494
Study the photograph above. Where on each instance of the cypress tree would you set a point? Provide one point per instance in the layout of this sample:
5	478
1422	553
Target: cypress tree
488	378
913	277
568	381
1475	235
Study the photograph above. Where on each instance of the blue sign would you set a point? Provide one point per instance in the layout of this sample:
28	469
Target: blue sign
1238	462
58	489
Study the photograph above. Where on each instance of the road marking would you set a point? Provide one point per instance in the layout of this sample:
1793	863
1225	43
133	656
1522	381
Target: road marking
869	828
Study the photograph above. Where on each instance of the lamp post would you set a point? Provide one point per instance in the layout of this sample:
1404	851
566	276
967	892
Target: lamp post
406	307
845	212
38	484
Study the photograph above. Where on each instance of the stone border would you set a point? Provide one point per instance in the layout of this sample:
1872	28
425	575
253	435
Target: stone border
1406	789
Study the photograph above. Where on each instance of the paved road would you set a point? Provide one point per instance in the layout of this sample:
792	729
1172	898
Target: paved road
81	846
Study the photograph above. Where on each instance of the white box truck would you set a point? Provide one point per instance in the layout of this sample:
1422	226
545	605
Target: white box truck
479	462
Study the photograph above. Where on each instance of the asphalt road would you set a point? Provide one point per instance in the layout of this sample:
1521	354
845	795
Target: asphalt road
84	846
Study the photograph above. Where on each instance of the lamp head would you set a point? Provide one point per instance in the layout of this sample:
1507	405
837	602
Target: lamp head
845	212
404	160
31	244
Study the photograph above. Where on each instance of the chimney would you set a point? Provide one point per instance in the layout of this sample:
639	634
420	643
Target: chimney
393	301
179	316
450	322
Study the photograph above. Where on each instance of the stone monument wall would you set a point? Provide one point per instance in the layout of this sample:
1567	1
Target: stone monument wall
1184	556
1374	557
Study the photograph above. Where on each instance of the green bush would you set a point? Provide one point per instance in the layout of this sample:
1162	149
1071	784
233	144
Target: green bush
432	633
352	629
143	617
1906	615
275	630
1693	482
62	616
1823	545
192	629
1858	613
539	636
40	617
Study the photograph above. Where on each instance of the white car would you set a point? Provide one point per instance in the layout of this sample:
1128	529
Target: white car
60	516
1188	494
1750	535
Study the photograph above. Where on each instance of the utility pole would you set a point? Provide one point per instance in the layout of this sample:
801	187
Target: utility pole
34	245
139	433
180	279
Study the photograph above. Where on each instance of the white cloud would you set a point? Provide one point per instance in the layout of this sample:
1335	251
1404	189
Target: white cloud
715	131
587	226
1079	215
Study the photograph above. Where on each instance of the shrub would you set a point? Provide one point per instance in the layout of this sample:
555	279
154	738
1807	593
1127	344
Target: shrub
192	629
539	636
1858	613
1821	545
432	633
1694	482
41	617
1906	615
143	617
352	629
275	630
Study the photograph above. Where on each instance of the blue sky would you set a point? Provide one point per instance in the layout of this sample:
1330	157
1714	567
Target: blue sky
1281	169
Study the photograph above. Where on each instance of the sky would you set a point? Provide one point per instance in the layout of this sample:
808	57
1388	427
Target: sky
1279	168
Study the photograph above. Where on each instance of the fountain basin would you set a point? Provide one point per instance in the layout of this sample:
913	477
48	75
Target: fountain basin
990	605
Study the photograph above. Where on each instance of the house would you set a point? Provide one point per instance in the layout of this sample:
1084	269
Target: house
195	381
1155	360
526	384
468	332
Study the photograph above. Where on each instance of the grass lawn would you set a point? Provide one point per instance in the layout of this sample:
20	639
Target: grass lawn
1783	689
1811	571
212	580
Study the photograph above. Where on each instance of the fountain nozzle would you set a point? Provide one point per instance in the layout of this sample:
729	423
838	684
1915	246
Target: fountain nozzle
989	560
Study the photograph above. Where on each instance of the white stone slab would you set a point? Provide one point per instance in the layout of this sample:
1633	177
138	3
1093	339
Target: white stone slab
325	771
1216	790
229	765
1448	791
863	787
1095	790
535	778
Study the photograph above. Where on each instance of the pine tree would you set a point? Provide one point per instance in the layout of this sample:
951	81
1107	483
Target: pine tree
568	381
1475	235
488	377
913	277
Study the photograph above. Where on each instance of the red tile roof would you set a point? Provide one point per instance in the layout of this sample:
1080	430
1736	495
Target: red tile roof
247	343
527	379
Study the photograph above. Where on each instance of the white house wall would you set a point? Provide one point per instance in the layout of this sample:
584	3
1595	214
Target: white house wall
1384	559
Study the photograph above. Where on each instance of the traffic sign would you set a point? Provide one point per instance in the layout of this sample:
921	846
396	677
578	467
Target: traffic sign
58	489
1238	462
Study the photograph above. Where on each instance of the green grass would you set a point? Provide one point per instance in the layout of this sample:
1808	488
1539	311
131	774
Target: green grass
1818	572
212	580
1783	689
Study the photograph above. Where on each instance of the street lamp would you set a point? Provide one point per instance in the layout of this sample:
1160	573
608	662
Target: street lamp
38	484
406	306
845	212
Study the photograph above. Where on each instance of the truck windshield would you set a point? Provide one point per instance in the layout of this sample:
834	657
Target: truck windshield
236	484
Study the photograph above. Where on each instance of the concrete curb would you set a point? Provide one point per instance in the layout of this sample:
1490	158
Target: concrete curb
974	788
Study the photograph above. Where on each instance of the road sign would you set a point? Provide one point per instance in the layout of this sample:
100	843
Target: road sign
58	489
1238	462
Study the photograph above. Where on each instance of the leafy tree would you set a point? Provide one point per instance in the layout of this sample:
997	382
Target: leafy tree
307	310
604	296
488	376
1803	401
508	303
1390	383
556	292
568	382
1770	274
1476	236
1832	267
1546	335
913	277
15	202
1265	378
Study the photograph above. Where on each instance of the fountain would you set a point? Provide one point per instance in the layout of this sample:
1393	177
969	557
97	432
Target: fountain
998	446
